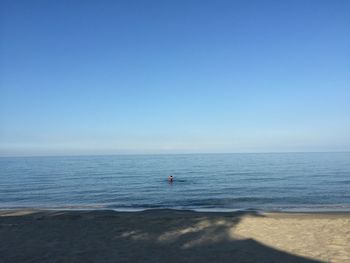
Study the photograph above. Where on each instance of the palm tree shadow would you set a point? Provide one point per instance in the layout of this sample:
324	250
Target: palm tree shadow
149	236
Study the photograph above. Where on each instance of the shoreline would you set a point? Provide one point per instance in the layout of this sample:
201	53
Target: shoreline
168	235
199	210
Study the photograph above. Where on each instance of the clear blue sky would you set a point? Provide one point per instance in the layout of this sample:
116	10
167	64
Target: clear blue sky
101	77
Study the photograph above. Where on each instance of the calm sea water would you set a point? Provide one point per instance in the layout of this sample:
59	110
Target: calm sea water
202	181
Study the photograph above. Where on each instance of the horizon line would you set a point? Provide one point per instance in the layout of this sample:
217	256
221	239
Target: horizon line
190	153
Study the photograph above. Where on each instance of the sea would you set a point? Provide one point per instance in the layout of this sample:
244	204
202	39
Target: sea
202	182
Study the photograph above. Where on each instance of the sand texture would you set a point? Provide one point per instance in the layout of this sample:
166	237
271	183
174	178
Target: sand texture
173	236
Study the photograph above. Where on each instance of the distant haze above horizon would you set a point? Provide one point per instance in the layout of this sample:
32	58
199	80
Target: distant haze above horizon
121	77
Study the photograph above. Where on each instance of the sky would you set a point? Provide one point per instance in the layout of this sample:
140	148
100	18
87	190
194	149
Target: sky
180	76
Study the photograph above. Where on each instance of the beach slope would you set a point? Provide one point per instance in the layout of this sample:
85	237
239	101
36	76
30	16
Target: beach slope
173	236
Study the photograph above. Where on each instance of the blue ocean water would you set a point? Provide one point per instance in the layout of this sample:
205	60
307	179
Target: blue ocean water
276	181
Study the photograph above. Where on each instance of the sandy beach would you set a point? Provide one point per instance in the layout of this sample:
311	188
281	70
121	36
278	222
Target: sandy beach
173	236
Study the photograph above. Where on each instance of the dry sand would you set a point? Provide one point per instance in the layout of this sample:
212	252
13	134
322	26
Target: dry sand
173	236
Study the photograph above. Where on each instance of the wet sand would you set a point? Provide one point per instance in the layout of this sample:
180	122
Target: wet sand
173	236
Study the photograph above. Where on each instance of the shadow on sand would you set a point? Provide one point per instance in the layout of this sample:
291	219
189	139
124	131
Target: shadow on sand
149	236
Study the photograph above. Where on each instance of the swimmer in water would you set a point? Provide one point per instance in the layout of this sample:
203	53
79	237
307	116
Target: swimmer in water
170	178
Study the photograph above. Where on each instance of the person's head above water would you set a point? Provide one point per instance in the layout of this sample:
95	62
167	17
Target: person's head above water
170	178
